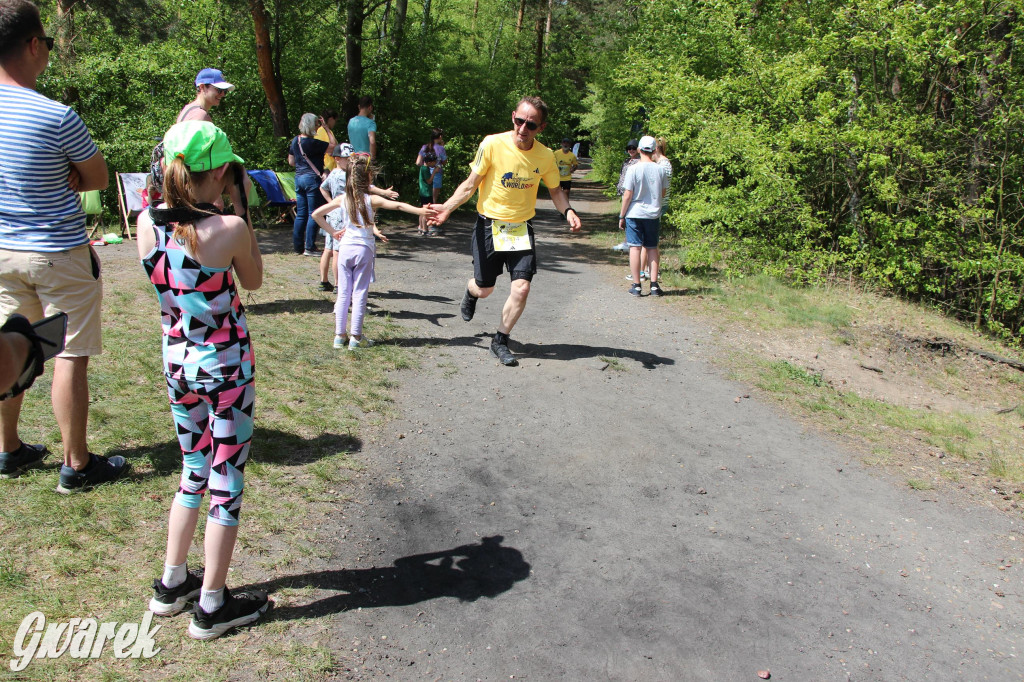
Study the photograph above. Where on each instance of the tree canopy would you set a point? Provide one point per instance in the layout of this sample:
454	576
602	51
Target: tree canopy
875	139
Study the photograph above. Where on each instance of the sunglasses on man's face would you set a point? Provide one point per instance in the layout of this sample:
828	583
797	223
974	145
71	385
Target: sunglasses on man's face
46	39
630	149
520	122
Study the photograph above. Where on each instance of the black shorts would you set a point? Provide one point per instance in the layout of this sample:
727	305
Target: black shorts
566	185
488	263
424	200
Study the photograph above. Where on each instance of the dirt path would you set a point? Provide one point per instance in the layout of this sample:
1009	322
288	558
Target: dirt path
609	510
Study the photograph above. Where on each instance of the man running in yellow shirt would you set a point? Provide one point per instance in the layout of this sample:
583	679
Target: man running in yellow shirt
507	169
567	163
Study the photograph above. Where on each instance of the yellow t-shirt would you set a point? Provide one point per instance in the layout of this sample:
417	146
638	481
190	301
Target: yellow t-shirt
566	162
511	177
329	162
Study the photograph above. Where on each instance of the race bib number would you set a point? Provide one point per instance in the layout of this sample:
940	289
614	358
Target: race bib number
510	236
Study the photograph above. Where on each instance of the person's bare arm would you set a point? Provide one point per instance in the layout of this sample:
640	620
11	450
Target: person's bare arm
320	216
627	198
373	144
92	173
247	259
560	201
332	141
388	193
378	202
460	196
144	237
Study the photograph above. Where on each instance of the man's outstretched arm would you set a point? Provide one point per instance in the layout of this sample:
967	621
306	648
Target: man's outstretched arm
460	196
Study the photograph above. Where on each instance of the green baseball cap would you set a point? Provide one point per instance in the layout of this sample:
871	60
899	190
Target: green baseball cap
200	144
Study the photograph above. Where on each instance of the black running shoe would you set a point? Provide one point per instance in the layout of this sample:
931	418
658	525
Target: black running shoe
100	470
237	610
327	287
25	457
500	350
634	290
468	306
656	289
168	601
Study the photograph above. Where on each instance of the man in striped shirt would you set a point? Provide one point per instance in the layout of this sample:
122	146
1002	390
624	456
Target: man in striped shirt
46	263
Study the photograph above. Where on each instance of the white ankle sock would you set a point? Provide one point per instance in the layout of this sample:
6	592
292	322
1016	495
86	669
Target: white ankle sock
210	601
174	575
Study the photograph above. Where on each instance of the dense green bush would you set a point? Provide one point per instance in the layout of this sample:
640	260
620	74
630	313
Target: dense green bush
811	139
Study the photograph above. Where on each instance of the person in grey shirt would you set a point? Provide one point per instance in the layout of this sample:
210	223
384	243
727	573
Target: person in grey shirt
644	188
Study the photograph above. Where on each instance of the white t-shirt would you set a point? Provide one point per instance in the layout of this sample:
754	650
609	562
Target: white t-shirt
647	181
357	234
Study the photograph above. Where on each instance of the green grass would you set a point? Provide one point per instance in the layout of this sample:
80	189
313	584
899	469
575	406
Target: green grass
918	484
958	435
613	363
59	553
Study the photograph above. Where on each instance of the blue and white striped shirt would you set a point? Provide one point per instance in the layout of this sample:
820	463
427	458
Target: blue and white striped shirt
39	138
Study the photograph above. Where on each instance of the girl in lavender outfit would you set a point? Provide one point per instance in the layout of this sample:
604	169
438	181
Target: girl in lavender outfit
357	249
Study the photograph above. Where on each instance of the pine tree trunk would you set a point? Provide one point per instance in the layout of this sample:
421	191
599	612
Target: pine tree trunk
353	58
268	75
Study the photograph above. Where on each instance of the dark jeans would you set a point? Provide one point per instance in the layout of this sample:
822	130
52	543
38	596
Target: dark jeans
307	199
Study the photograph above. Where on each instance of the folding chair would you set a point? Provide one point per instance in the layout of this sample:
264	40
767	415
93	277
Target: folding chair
92	206
129	196
276	196
287	181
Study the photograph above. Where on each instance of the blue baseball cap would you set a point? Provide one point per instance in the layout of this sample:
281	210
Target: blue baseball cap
215	78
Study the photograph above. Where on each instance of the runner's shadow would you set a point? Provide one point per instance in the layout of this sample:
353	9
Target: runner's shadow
421	341
392	294
433	318
466	573
571	351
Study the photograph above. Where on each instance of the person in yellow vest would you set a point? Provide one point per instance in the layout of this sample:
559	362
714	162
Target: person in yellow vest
507	169
567	163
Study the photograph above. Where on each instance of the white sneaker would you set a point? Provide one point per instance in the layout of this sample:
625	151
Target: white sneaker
621	247
340	341
354	343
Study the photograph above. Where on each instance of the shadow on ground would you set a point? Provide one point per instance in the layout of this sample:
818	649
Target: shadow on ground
274	446
466	573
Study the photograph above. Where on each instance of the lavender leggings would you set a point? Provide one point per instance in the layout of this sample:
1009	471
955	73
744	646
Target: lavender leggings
355	266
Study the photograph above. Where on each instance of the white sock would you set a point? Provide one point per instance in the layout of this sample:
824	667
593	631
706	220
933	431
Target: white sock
211	600
174	575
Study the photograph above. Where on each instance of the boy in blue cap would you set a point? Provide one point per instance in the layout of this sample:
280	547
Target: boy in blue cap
210	90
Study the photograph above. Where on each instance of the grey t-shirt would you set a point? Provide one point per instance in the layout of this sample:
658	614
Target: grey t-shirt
647	181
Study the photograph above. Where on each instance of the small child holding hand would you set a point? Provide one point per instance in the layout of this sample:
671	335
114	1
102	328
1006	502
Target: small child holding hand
357	249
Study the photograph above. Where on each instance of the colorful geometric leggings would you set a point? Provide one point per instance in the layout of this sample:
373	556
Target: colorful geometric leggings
214	424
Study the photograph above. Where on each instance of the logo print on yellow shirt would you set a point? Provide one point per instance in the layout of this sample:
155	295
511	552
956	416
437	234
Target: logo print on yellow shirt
513	181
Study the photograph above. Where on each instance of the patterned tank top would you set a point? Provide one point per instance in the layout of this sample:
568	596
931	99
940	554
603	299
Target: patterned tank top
205	334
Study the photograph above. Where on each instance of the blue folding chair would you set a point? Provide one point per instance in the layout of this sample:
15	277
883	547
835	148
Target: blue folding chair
271	186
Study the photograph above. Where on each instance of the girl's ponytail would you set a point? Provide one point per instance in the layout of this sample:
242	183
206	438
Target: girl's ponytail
179	192
360	176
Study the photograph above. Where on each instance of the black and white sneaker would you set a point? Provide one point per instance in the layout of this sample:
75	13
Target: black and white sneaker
169	601
634	290
656	289
244	608
468	306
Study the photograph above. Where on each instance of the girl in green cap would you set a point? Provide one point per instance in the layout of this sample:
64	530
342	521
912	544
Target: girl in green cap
192	255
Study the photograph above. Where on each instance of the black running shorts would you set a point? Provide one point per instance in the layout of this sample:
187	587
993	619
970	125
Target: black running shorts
488	263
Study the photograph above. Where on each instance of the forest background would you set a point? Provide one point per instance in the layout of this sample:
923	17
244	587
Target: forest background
877	140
